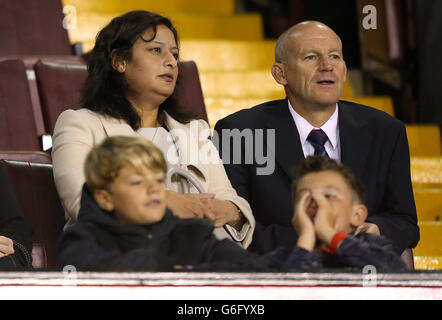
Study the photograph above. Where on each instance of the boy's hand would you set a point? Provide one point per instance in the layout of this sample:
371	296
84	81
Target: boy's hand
325	219
302	223
190	205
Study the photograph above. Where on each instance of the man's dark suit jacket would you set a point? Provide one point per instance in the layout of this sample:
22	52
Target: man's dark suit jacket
373	144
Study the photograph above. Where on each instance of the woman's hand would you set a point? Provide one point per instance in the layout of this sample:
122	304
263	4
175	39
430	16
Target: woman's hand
6	246
302	223
225	212
190	205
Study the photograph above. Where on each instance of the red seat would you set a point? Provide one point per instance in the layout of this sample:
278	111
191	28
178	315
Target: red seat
30	62
17	126
34	188
31	156
59	86
408	258
188	90
387	52
29	27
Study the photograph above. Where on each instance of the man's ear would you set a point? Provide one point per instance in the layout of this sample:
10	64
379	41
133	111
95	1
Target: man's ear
104	199
360	213
278	73
118	63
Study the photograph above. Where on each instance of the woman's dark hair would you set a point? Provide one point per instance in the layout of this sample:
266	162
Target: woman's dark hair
104	90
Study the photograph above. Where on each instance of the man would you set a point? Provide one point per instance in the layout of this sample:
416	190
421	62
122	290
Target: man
312	120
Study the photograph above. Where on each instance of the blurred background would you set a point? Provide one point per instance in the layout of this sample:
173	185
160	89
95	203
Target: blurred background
393	51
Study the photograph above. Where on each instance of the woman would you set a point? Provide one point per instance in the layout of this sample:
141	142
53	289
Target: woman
132	74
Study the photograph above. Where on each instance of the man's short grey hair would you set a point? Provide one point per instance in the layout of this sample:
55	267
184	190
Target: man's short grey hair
281	47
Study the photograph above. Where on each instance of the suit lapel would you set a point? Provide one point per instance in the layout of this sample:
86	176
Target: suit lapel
287	143
115	127
355	140
186	138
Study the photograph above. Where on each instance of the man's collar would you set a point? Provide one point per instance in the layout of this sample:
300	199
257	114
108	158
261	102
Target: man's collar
304	127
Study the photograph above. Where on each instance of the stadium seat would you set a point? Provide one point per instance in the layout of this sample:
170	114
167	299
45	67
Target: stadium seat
59	86
424	140
34	187
30	62
29	27
17	126
31	156
387	49
188	90
408	258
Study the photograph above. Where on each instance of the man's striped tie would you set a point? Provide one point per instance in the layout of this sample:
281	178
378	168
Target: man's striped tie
317	138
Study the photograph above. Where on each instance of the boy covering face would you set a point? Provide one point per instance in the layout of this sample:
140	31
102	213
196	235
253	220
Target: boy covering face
329	207
124	223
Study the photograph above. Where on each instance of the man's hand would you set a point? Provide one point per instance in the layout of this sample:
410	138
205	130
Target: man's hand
190	205
302	223
368	227
6	246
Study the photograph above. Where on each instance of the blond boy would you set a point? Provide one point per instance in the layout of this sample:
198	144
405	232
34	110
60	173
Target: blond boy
124	222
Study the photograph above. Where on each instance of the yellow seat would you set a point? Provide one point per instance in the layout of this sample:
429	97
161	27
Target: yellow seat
237	27
430	239
428	262
250	84
426	172
111	6
424	140
194	19
428	203
229	55
383	103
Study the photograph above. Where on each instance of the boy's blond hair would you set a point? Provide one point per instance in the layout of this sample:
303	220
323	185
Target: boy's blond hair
104	161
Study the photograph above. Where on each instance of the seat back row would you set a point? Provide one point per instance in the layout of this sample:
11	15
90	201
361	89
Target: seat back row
33	93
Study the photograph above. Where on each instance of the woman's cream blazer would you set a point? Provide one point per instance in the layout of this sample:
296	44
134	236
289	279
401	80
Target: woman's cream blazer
77	131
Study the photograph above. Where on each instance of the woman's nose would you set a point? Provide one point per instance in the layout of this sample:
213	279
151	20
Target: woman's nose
171	61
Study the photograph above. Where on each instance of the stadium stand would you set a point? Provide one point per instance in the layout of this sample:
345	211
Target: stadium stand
34	187
229	58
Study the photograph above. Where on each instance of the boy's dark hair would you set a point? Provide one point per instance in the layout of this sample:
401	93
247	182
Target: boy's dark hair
104	90
319	163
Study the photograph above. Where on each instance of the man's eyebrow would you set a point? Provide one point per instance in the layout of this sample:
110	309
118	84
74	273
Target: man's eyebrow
317	52
336	50
308	51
